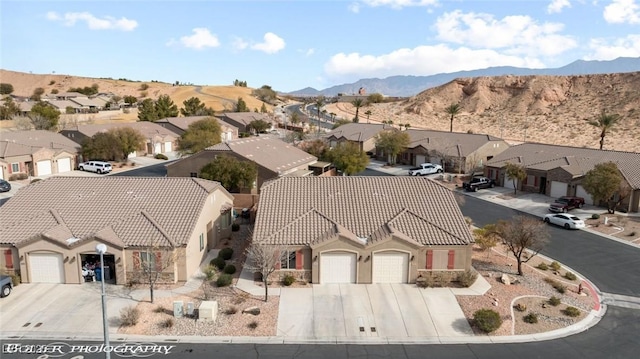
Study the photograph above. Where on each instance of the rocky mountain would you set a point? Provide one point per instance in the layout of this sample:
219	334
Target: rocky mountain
405	86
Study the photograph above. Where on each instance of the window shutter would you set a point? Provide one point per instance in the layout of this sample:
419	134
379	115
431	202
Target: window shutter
429	259
136	260
451	260
279	259
8	258
158	261
535	181
299	260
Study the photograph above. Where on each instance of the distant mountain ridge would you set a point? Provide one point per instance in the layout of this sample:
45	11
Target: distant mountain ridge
406	86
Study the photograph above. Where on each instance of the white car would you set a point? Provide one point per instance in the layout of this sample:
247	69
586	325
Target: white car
568	221
425	169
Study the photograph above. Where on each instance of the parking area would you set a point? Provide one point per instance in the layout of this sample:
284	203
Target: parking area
370	310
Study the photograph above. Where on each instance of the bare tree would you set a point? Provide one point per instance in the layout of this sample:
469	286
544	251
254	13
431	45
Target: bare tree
264	259
486	237
149	263
522	233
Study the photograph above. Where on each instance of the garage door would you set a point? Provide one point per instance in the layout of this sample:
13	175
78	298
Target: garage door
390	267
337	267
44	167
558	189
46	268
157	147
420	159
167	147
1	172
581	192
508	182
64	165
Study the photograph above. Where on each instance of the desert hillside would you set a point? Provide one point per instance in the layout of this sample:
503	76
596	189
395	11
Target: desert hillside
547	109
220	98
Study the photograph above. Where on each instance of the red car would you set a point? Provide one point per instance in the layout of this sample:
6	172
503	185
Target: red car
566	203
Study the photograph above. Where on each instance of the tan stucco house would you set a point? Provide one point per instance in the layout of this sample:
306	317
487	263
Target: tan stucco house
559	170
36	153
50	228
361	134
363	229
180	125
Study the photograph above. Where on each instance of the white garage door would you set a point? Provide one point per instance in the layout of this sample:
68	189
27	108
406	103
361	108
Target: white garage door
1	172
337	267
44	167
558	189
157	147
508	182
581	192
46	268
64	165
167	147
420	159
390	267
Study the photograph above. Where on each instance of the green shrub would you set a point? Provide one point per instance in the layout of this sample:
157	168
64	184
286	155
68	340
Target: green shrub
467	278
229	269
231	311
235	227
595	216
531	318
487	320
555	266
218	262
555	301
226	253
144	87
570	276
158	309
224	280
129	316
557	285
542	266
167	323
160	156
288	280
18	176
253	324
571	311
440	279
210	271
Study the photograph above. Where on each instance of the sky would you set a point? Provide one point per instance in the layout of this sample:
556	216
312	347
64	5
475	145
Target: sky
293	44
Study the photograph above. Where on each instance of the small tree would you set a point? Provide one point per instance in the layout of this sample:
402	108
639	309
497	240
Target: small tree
348	158
264	258
392	142
368	113
232	173
128	140
6	88
522	233
37	94
357	103
605	123
44	117
200	135
486	237
8	109
241	106
260	126
150	262
316	148
101	146
193	107
165	107
452	110
375	98
515	173
604	183
147	111
130	100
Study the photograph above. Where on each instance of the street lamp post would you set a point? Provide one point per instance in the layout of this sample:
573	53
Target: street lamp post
102	249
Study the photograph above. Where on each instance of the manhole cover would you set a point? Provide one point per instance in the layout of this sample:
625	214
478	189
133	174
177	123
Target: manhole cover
362	329
373	329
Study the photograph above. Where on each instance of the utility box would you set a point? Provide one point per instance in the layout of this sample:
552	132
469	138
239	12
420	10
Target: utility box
178	309
190	309
208	310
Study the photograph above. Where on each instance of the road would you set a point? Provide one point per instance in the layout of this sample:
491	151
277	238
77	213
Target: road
157	170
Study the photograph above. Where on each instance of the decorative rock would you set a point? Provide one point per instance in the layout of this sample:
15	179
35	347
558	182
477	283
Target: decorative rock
505	279
252	310
495	304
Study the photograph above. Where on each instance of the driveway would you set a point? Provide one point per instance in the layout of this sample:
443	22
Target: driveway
370	310
61	309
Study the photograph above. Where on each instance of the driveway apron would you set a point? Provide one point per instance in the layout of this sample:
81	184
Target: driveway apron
415	312
328	311
448	318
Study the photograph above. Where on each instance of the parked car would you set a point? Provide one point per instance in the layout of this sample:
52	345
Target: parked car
566	203
567	221
477	183
425	169
5	186
95	166
6	284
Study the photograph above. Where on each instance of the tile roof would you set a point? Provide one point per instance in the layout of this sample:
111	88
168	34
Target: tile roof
147	129
16	143
63	104
126	211
184	122
448	143
86	102
247	117
271	153
309	210
575	160
358	132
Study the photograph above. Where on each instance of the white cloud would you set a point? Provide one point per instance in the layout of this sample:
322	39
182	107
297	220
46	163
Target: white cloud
200	39
239	44
556	6
308	52
518	35
603	49
622	11
272	44
394	4
94	23
421	61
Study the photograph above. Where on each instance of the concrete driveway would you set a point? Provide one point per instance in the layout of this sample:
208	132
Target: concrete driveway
61	309
370	310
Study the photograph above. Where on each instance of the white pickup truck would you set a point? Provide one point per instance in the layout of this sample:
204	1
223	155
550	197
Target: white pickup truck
95	166
425	169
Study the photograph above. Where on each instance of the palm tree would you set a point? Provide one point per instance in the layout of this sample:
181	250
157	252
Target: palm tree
605	123
333	116
368	113
452	110
319	103
357	103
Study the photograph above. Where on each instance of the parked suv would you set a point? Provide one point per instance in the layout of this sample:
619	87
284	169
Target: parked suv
566	203
5	285
478	182
95	166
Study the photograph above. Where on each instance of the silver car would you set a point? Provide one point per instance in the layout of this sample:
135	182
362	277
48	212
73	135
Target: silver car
568	221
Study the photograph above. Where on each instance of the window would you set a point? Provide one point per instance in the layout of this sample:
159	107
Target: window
193	174
289	261
15	167
148	259
531	180
201	241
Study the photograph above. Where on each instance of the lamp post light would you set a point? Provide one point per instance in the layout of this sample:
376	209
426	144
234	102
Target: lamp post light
102	249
